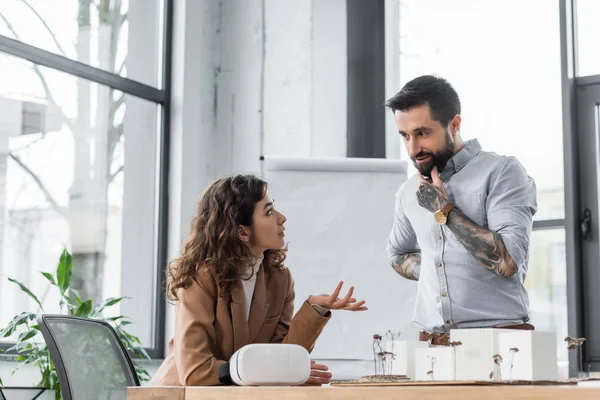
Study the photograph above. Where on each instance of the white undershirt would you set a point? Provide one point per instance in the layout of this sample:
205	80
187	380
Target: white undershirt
249	284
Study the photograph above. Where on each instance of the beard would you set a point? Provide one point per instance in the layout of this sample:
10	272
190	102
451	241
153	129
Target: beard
439	159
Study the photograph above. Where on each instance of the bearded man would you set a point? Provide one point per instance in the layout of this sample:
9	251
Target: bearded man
462	224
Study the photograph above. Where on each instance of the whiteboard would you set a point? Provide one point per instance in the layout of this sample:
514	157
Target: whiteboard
339	214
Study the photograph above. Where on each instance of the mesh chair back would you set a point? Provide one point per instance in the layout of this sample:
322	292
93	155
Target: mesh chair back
90	359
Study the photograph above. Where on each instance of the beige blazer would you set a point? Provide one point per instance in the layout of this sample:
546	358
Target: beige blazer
209	329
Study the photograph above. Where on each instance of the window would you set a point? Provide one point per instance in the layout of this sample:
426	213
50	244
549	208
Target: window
82	160
107	34
547	288
588	32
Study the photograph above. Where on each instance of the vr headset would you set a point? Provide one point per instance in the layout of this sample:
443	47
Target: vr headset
267	364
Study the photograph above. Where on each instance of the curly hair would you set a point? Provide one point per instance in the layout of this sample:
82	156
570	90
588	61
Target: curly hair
213	243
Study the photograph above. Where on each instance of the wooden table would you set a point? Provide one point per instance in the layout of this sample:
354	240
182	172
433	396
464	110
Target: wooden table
569	392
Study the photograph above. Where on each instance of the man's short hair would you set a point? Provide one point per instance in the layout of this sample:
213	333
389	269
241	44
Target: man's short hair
433	91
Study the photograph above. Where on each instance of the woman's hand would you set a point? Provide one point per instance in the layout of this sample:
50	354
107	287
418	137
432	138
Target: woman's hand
318	375
333	302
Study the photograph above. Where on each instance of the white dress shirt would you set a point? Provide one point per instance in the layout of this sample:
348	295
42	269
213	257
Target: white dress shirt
249	284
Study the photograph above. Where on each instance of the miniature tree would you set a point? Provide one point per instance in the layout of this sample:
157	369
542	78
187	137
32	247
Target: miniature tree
454	345
497	367
391	355
376	351
383	359
576	343
512	350
430	372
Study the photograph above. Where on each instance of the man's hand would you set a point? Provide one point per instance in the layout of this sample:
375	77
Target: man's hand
333	302
432	194
318	376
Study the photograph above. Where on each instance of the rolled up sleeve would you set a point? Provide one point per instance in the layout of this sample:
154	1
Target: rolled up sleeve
402	238
511	204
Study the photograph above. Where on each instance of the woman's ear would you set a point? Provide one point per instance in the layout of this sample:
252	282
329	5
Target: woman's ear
244	233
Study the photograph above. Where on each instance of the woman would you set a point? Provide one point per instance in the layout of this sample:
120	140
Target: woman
230	287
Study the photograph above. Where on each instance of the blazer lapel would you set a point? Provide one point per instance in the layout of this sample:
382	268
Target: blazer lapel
238	317
260	305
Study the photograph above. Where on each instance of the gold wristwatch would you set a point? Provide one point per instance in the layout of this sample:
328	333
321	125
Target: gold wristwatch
441	215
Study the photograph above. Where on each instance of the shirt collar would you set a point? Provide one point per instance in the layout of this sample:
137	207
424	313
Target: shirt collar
461	159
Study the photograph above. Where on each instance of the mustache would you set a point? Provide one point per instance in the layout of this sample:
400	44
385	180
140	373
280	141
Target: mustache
423	154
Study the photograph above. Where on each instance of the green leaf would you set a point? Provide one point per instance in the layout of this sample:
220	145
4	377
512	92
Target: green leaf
24	317
63	271
23	288
113	319
12	348
1	383
142	373
20	319
50	277
20	358
27	335
77	296
84	309
140	351
45	375
66	301
9	330
111	301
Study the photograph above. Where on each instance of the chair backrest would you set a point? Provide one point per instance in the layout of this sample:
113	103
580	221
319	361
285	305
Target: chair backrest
90	359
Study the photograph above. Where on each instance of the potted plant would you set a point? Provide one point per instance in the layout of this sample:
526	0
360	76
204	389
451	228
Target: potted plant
30	346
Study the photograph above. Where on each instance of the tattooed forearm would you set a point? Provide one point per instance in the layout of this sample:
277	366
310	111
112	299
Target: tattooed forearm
486	246
408	265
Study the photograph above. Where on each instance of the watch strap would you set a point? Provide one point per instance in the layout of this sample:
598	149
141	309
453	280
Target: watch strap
447	208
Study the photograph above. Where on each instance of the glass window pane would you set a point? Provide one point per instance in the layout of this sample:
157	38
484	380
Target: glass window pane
507	75
120	36
588	33
547	287
77	168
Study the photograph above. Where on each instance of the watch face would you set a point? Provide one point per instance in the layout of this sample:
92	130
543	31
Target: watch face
440	217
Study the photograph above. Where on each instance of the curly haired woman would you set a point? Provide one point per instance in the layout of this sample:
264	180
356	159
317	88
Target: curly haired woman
231	288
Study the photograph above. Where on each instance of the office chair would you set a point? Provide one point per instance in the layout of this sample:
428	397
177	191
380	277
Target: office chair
23	393
90	359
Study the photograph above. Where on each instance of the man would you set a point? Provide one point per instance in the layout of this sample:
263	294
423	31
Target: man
462	224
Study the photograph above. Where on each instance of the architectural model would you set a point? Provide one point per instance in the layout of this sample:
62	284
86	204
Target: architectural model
481	354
